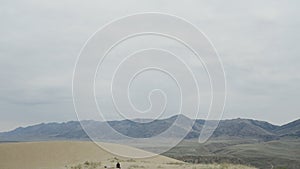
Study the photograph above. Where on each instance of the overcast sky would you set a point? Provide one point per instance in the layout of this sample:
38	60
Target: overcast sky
258	42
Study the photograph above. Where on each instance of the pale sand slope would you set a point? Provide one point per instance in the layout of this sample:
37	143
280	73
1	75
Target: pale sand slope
73	155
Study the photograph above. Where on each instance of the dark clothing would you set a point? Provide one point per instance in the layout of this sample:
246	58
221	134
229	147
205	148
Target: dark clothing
118	165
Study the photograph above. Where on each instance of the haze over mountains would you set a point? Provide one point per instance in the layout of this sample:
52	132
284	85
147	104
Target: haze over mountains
227	129
238	141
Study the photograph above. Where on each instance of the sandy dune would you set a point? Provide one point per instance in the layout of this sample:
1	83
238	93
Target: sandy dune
73	155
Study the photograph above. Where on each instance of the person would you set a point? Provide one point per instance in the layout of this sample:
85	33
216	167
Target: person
118	165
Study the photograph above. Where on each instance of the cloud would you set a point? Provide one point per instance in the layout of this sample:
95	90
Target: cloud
40	41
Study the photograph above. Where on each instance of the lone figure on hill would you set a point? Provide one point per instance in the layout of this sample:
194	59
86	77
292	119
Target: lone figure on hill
118	165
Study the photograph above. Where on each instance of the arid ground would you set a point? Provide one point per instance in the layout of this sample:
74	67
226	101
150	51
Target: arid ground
86	155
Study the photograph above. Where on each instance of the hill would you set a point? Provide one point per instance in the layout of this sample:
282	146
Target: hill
84	155
283	153
235	128
289	130
238	141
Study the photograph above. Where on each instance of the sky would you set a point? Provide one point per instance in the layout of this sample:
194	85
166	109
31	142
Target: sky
257	42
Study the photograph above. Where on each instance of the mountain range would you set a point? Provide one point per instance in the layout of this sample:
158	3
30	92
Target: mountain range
227	129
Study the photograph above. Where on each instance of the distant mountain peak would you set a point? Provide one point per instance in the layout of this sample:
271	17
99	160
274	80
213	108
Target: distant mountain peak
72	130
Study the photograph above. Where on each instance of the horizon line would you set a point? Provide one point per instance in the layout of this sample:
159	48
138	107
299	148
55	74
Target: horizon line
67	121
